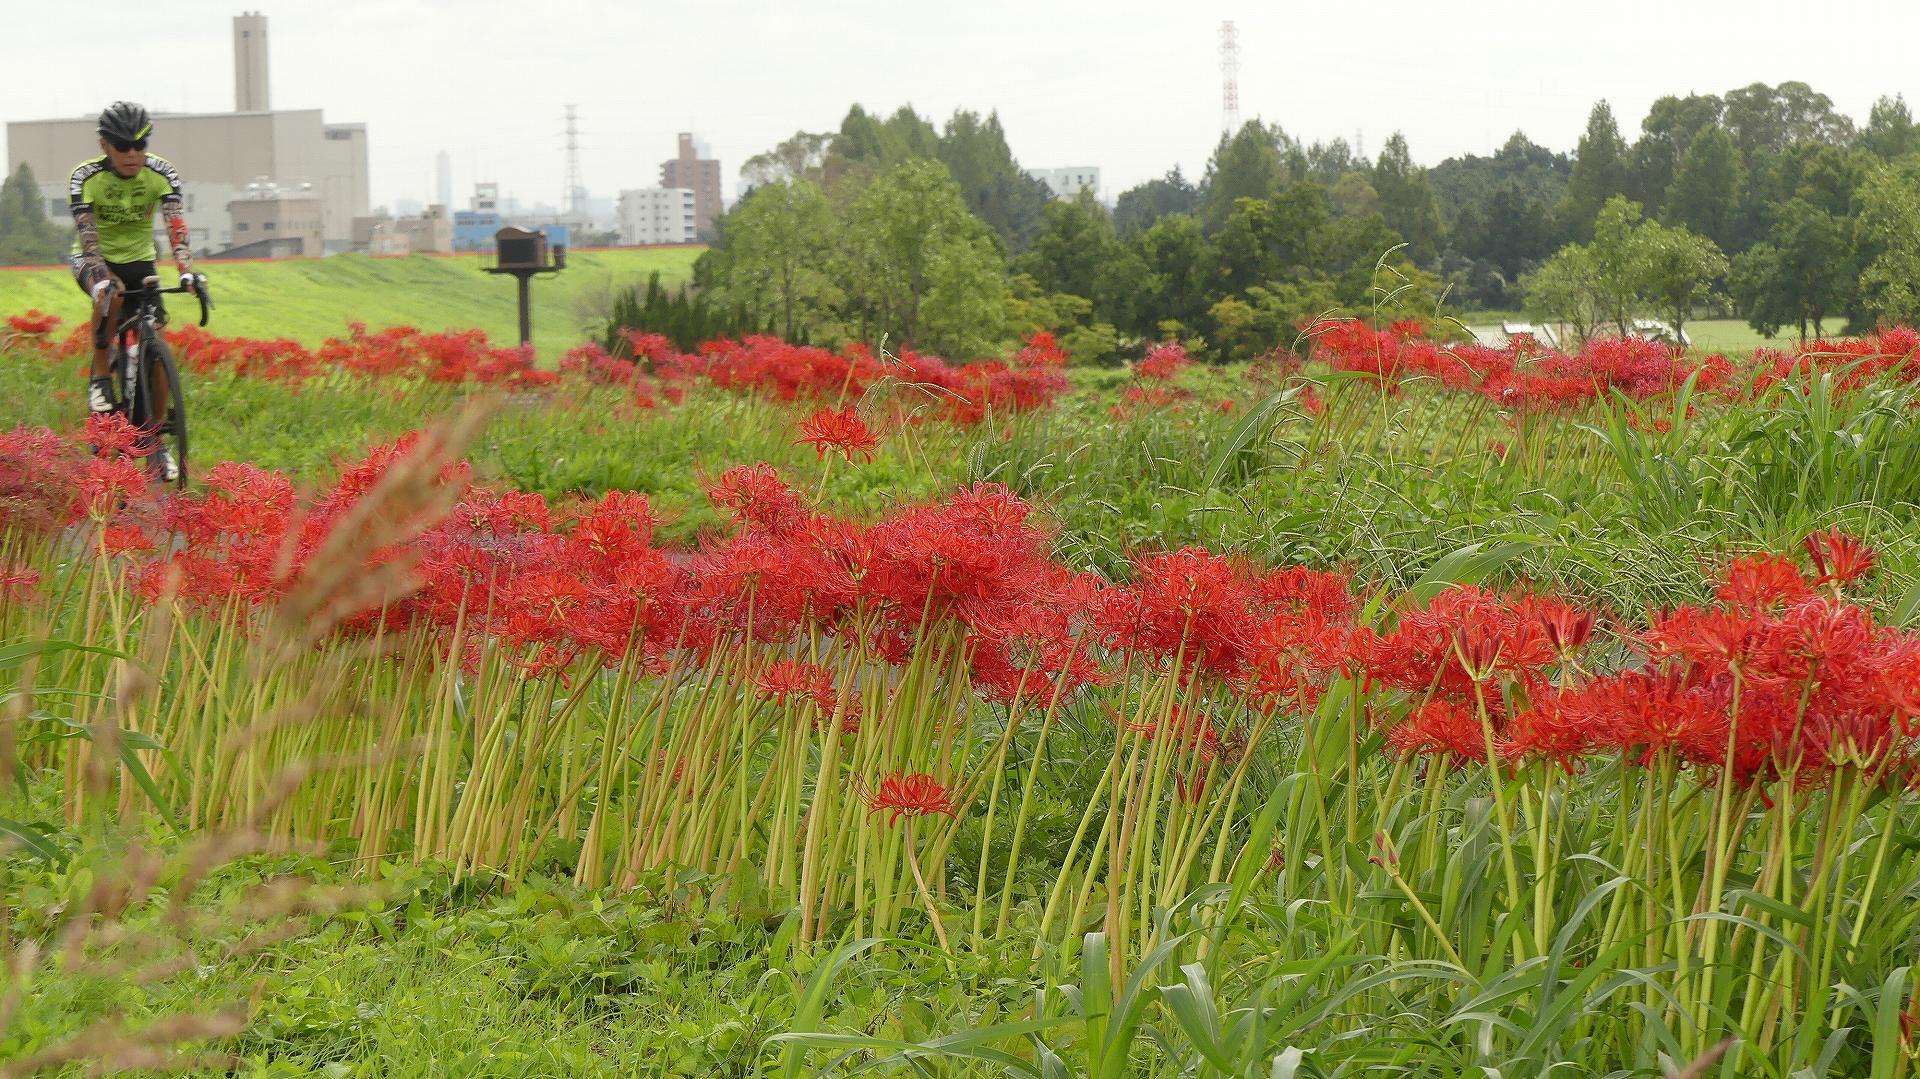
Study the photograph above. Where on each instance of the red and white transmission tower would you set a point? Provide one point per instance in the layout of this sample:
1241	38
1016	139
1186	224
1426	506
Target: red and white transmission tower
1229	78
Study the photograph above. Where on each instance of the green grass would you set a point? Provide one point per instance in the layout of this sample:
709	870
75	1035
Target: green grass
1729	335
538	977
310	300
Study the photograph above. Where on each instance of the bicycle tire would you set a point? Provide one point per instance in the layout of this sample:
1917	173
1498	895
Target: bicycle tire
156	361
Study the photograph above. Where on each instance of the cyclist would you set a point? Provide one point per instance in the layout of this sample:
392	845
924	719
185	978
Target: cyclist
113	197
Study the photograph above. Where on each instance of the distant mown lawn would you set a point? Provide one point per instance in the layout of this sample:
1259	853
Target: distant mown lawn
310	300
1710	334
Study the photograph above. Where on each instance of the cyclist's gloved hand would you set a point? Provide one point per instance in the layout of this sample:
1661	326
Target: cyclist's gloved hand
192	280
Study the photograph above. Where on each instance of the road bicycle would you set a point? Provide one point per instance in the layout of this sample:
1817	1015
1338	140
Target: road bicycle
146	379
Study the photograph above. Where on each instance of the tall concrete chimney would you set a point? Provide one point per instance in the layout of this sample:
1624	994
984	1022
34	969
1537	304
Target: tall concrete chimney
250	87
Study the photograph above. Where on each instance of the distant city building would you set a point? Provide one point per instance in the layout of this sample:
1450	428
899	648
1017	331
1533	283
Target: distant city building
488	212
1067	183
405	207
274	222
427	232
698	173
658	215
220	154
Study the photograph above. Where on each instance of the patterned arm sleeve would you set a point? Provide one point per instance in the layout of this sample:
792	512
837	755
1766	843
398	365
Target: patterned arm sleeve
172	209
89	233
83	221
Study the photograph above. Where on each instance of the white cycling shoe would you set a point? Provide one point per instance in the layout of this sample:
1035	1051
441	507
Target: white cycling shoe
100	395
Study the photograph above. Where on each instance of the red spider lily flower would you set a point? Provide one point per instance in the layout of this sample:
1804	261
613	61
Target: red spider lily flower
757	497
1714	641
34	323
1568	628
912	795
111	435
1041	350
1496	637
1764	581
1660	713
118	539
1162	362
1555	728
17	585
1440	727
107	483
843	431
788	677
1840	558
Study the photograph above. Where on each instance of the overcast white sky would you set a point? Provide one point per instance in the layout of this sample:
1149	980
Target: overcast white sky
1127	86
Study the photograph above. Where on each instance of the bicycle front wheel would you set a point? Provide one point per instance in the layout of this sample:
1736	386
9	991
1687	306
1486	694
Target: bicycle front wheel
159	407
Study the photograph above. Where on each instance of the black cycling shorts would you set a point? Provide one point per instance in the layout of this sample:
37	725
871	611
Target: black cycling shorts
131	274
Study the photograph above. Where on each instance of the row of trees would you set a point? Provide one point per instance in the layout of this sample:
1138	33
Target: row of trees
889	228
1764	200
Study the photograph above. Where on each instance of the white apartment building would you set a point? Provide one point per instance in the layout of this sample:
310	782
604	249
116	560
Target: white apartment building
658	215
1068	182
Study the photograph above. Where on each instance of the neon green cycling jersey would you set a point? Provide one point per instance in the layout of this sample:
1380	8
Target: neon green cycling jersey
123	206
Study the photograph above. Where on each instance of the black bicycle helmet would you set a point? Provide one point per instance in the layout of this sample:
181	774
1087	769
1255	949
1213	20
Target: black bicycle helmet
125	121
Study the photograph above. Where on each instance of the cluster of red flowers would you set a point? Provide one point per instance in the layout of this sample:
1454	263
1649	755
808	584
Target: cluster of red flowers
597	366
49	481
1891	353
400	352
964	395
842	431
1153	376
1781	676
1522	375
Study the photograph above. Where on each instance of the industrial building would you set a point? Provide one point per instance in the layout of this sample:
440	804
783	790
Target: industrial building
223	156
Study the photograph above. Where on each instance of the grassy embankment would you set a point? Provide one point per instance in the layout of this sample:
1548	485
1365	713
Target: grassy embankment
310	300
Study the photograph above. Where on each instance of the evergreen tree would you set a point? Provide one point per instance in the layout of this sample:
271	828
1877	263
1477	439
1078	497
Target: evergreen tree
1075	240
1407	202
27	236
1599	172
1138	208
1890	130
1665	137
1706	190
1249	164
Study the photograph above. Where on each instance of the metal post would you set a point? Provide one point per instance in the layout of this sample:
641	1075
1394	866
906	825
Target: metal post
526	308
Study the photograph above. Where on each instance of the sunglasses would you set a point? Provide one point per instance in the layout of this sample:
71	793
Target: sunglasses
124	146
